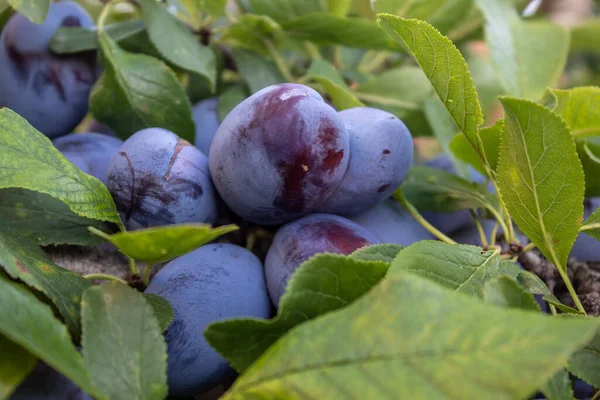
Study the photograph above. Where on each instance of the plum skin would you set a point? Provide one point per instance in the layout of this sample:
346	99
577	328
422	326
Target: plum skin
49	90
207	123
297	241
391	223
279	154
45	383
212	283
157	178
381	153
90	152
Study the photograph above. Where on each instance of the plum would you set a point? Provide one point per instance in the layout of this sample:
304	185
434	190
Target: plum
279	154
49	90
90	152
207	123
582	389
381	153
586	248
45	383
390	223
156	178
212	283
297	241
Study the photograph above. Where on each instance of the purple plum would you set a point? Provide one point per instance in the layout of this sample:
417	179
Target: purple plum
90	152
156	178
49	90
297	241
381	153
279	155
45	383
207	122
212	283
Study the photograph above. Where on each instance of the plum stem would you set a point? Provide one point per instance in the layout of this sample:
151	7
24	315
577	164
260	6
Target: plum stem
482	237
570	288
133	266
553	310
279	62
529	247
147	271
398	195
494	234
102	18
596	396
104	277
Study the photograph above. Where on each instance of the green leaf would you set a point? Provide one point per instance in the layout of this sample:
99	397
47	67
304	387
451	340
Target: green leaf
35	10
578	107
29	161
431	189
584	37
325	69
592	225
162	310
251	31
490	137
585	362
163	243
462	268
231	98
322	284
442	14
339	7
46	220
532	283
444	66
22	259
516	48
136	91
341	97
257	72
541	178
445	130
29	323
559	387
16	364
75	40
325	28
551	299
123	347
411	338
281	10
377	252
588	149
176	43
505	291
397	90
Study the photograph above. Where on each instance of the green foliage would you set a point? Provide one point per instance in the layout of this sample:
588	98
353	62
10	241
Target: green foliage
35	10
231	98
559	387
585	362
137	91
121	363
163	243
16	363
386	345
378	252
162	310
257	72
322	284
74	40
537	166
29	161
490	138
32	325
505	291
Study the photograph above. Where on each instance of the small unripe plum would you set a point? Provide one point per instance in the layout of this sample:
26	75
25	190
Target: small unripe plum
381	153
297	241
90	152
212	283
49	90
45	383
390	223
279	154
156	178
207	122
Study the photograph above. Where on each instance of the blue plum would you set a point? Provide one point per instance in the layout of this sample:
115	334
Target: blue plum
297	241
390	223
381	153
45	383
212	283
48	90
279	154
583	390
157	178
207	122
90	152
586	248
